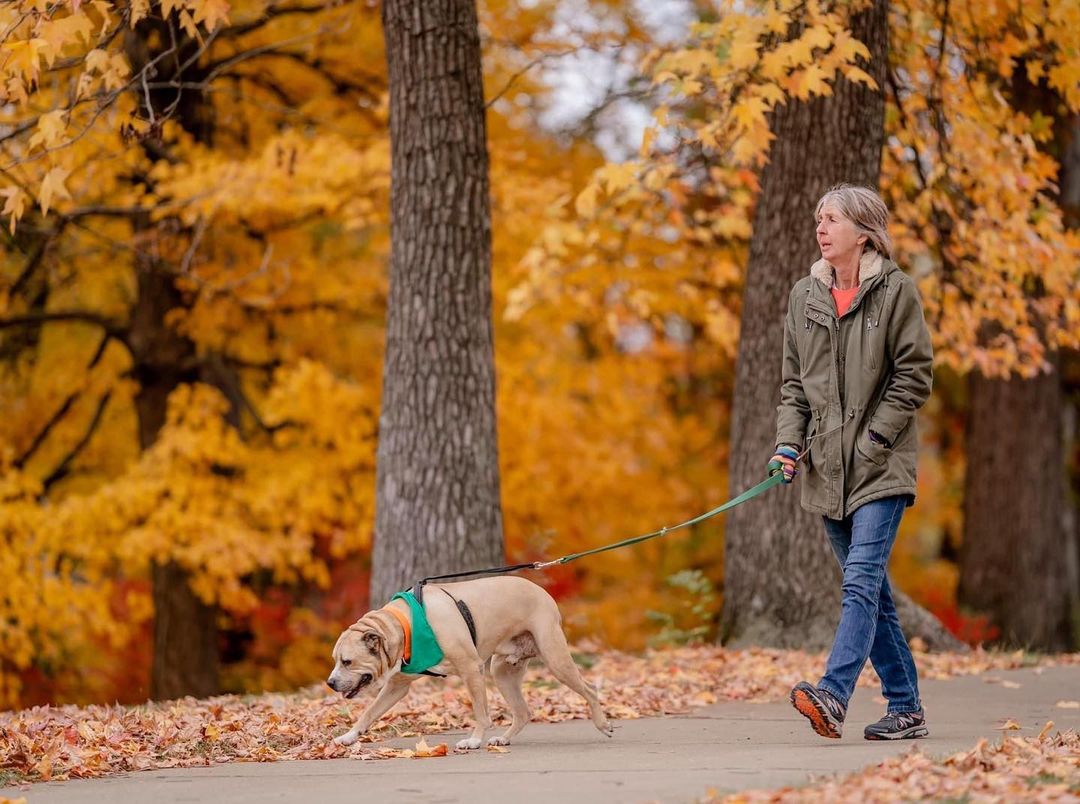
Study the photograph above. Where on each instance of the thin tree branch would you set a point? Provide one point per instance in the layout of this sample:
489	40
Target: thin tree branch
61	411
64	466
112	328
513	79
269	14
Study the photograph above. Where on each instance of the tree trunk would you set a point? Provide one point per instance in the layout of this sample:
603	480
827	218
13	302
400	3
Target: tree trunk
437	481
781	581
1018	562
185	660
1012	559
185	651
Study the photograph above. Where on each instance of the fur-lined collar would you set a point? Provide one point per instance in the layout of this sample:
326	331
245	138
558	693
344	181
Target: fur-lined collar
869	267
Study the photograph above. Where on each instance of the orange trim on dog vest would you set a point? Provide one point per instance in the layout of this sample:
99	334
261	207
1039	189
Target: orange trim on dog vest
401	618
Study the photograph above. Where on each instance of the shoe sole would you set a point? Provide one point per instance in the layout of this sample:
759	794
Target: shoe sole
914	733
812	711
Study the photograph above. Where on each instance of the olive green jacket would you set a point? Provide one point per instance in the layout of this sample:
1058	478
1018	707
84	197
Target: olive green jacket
868	370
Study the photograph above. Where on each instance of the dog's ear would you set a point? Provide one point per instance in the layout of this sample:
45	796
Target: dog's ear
373	641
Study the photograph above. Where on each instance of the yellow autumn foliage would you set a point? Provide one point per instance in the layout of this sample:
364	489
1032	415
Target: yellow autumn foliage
616	290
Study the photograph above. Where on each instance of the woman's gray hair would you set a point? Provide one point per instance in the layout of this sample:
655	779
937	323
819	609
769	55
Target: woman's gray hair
864	208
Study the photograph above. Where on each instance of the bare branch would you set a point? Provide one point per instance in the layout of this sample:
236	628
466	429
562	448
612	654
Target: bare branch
268	14
61	411
64	466
533	63
112	328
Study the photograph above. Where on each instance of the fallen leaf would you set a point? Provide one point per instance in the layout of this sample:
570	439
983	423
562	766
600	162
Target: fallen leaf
1012	685
498	749
1009	725
1045	730
424	750
1016	769
276	726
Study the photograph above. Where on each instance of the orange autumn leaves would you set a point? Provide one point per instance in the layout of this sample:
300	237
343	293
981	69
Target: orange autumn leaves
277	238
970	176
45	743
1041	768
617	291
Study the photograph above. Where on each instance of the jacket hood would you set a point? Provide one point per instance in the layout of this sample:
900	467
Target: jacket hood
870	265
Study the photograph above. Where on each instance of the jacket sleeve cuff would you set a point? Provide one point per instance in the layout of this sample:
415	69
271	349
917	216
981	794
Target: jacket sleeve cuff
792	439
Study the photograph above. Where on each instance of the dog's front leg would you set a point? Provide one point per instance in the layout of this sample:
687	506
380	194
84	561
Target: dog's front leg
392	692
474	682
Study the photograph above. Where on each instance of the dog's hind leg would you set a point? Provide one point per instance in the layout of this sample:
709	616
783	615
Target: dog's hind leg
508	677
556	655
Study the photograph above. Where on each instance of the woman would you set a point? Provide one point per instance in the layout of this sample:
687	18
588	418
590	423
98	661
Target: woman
857	366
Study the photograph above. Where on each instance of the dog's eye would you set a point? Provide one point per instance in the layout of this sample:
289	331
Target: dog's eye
365	679
346	662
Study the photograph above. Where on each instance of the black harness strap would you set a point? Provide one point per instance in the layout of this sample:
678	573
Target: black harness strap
466	613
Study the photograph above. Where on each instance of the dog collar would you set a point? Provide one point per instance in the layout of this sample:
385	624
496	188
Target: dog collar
401	618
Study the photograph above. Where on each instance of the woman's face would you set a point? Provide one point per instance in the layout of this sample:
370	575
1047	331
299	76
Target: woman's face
837	238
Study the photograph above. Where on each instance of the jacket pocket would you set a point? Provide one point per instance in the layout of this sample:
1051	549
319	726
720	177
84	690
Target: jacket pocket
870	449
871	343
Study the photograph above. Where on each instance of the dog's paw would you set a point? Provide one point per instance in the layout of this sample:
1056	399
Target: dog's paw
468	743
348	738
499	741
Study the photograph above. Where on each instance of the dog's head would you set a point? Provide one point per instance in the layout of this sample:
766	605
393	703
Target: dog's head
365	652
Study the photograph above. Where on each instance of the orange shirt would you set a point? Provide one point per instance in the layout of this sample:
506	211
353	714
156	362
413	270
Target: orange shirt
843	299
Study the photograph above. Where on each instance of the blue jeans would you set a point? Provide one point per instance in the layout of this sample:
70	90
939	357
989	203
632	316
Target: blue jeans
869	627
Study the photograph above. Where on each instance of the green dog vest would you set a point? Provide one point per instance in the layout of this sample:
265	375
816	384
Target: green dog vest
426	652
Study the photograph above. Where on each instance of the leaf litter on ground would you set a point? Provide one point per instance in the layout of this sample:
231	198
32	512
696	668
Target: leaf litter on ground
66	742
1037	769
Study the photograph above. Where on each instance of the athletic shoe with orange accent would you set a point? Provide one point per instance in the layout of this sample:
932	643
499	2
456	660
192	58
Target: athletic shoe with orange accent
820	707
898	726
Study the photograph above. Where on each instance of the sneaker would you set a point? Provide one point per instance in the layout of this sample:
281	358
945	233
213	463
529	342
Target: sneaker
825	713
898	726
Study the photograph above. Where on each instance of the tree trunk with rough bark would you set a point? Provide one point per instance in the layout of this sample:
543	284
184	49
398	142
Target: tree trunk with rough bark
781	581
185	650
1012	559
437	480
1018	562
185	654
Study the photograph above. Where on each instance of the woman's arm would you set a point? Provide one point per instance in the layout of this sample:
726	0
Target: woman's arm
793	412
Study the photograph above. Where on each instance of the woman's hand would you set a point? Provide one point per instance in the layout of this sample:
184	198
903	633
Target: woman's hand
784	460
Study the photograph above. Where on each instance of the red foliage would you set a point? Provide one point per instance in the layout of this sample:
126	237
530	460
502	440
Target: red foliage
972	629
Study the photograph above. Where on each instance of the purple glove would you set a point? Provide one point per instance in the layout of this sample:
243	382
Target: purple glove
878	438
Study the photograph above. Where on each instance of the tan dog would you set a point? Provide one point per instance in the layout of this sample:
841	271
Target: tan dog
515	620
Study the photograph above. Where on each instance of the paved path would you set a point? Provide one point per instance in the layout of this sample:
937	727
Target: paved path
728	746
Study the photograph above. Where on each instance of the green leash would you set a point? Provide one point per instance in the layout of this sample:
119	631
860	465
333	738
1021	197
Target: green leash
776	477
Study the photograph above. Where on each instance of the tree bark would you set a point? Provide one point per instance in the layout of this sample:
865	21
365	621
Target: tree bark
1015	539
781	581
185	650
437	478
185	654
1018	562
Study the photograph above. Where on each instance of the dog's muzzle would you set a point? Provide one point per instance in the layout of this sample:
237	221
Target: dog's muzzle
363	681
